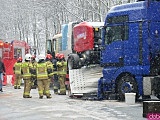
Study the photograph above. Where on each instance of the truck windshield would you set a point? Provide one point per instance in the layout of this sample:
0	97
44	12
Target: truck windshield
116	33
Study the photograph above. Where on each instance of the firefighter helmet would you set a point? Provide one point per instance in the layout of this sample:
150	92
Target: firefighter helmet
41	57
49	56
19	59
57	55
28	57
61	56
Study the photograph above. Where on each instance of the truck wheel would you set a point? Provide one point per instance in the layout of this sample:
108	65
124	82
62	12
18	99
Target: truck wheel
73	62
70	63
126	84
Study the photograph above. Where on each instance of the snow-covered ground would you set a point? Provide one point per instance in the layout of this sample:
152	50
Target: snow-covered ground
61	107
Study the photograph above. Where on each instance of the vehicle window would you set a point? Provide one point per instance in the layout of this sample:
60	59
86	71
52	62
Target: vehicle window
17	53
116	33
117	30
118	19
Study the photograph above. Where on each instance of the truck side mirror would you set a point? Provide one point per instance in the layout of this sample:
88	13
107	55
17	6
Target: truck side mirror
156	34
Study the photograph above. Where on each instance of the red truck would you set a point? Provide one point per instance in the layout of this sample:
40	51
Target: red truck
9	52
86	45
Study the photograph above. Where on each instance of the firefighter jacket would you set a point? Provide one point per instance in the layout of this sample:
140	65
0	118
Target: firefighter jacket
62	67
49	68
33	70
17	68
42	71
26	67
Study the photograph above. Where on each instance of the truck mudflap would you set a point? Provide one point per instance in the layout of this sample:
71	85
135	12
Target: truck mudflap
156	86
84	81
151	86
147	87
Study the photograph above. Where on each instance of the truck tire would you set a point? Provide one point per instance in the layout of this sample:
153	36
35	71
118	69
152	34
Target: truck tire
126	84
73	61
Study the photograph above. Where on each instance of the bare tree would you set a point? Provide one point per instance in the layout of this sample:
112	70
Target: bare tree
36	21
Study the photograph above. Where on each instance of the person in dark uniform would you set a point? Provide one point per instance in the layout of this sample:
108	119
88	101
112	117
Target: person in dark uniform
2	72
55	76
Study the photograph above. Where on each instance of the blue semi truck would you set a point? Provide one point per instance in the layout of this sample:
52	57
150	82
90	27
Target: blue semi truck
130	53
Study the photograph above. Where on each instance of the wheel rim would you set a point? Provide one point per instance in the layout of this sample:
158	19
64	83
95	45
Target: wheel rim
126	87
126	84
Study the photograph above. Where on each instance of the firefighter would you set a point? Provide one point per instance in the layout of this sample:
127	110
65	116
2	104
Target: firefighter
34	77
49	64
2	72
57	56
49	68
62	71
56	82
42	77
26	75
17	72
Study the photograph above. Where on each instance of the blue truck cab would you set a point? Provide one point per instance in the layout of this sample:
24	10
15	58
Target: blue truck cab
130	48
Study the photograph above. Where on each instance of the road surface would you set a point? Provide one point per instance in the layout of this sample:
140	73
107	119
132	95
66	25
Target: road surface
61	107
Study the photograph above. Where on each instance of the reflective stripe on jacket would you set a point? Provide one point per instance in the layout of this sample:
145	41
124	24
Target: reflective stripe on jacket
26	66
49	68
62	67
17	67
42	71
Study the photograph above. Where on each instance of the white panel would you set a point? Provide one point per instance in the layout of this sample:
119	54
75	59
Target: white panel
147	89
85	80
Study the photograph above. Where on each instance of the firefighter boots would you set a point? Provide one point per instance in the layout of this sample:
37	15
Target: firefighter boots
55	91
1	90
40	97
18	87
61	93
27	96
48	96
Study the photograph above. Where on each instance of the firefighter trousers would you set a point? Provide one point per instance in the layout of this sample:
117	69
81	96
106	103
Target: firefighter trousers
43	87
56	84
27	87
17	82
62	79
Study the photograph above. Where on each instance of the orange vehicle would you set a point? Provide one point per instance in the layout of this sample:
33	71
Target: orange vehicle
10	51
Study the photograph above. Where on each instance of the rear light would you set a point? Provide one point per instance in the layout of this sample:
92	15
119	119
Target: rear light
1	44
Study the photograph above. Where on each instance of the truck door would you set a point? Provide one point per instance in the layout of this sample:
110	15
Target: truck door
113	45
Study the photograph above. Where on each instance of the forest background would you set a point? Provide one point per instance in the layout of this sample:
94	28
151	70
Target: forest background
36	21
